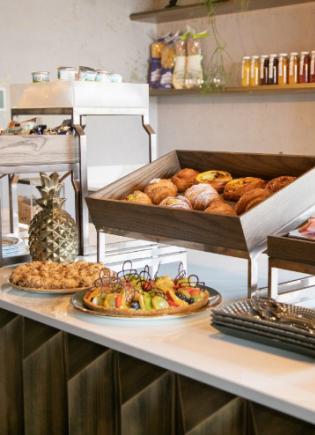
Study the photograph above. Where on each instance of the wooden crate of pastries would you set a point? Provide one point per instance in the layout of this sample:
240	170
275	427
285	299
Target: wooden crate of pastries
212	201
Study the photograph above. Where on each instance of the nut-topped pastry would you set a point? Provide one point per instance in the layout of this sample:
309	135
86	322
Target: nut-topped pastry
217	179
139	197
250	199
177	202
201	195
218	206
159	189
184	179
236	188
279	183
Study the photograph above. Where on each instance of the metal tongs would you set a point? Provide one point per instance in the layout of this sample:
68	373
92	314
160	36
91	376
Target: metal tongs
269	309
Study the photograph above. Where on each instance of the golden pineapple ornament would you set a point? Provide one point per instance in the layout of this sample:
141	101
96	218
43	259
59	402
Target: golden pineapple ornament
53	234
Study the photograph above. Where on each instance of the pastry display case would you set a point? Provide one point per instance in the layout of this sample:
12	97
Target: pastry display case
243	236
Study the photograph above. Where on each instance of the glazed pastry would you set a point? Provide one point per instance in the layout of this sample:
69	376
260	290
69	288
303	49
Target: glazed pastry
201	195
139	197
250	199
176	202
216	179
218	206
159	189
279	183
236	188
184	179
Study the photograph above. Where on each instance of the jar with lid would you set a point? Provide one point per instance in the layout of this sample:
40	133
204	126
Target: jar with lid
293	68
304	67
283	69
264	67
254	71
273	70
312	67
246	63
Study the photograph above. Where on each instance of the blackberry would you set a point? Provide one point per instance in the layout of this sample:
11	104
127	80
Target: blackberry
135	305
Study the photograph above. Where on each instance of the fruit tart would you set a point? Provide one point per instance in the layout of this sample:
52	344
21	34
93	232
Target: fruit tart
133	294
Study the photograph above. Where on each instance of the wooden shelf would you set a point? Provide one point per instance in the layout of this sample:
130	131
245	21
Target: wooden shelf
259	90
198	10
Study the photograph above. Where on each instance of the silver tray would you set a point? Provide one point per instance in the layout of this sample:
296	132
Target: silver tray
214	299
242	309
257	328
264	338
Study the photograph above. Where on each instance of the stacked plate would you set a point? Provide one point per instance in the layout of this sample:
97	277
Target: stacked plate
242	320
12	246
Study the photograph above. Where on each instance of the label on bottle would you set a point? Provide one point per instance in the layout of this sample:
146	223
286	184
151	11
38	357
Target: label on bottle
271	69
280	66
261	73
194	72
313	65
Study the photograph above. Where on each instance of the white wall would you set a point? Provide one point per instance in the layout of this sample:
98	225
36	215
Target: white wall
239	122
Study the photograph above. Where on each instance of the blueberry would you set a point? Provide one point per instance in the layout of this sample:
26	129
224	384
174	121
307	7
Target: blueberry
185	298
135	305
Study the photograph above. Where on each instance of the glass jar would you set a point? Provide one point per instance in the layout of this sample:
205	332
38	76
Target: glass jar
293	68
283	69
264	65
304	67
273	70
246	62
254	71
312	67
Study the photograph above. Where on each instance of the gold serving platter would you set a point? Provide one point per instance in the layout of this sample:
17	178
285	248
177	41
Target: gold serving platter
49	291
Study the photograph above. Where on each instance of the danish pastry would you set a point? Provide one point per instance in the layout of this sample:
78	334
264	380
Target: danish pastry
200	195
218	206
184	179
159	189
176	202
139	197
236	188
250	199
279	183
216	179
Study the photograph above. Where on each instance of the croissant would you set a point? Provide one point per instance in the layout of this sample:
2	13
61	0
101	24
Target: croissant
184	179
200	195
218	206
159	189
279	183
236	188
250	199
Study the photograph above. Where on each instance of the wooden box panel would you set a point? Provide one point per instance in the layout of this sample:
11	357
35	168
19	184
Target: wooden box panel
292	249
34	150
194	229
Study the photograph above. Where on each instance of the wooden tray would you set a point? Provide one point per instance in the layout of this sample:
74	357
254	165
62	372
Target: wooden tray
238	236
291	253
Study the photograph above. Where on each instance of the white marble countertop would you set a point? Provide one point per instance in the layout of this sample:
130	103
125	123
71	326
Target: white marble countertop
190	346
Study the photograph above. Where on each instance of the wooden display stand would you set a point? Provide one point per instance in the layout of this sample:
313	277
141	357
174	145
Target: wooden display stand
244	236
